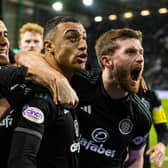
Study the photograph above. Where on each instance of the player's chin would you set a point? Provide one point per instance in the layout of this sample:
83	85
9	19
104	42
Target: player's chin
134	89
81	66
4	60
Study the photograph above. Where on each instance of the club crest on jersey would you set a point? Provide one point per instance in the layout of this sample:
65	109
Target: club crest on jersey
100	135
33	114
125	126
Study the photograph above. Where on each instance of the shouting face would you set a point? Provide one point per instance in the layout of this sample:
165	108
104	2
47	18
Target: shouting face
128	64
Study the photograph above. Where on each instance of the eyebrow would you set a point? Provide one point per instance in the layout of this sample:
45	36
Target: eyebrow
73	30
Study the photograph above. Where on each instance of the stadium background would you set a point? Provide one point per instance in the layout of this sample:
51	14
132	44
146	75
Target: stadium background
149	16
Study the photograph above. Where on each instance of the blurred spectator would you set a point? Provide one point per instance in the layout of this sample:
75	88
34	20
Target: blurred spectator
31	37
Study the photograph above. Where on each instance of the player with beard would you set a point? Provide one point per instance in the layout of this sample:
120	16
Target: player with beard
110	113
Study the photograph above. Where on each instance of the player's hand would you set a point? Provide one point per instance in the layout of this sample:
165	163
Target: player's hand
64	94
40	72
157	154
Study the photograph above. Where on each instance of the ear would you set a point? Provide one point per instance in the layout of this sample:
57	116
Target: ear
107	61
48	46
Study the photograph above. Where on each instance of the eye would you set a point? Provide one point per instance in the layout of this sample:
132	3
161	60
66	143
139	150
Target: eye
27	41
131	51
36	41
6	34
73	38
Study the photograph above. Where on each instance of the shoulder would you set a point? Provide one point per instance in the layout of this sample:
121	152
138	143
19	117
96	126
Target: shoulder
86	76
142	114
8	68
10	75
85	82
141	107
138	101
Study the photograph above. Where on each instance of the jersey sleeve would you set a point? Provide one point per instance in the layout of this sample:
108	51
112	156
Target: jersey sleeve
10	75
142	122
142	114
162	133
28	134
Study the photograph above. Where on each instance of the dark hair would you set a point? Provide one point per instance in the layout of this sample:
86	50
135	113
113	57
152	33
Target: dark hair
52	23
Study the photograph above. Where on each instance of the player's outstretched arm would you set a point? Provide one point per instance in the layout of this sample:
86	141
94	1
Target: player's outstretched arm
40	72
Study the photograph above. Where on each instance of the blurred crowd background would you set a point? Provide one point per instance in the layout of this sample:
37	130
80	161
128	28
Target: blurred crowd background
149	16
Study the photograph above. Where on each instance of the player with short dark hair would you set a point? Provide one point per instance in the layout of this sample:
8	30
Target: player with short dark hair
45	133
110	113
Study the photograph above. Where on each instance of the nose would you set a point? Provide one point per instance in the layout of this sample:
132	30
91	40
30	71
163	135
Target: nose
140	58
32	44
83	44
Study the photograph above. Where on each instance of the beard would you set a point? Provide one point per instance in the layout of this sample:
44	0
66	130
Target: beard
130	88
125	83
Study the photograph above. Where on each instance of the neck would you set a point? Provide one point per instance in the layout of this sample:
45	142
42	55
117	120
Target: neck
112	86
53	63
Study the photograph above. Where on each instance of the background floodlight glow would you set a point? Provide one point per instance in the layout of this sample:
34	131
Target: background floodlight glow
57	6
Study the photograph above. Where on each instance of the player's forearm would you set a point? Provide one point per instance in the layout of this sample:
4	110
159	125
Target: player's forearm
43	74
58	85
162	133
38	69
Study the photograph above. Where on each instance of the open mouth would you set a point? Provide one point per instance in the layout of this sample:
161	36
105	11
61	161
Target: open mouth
82	55
82	58
135	73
